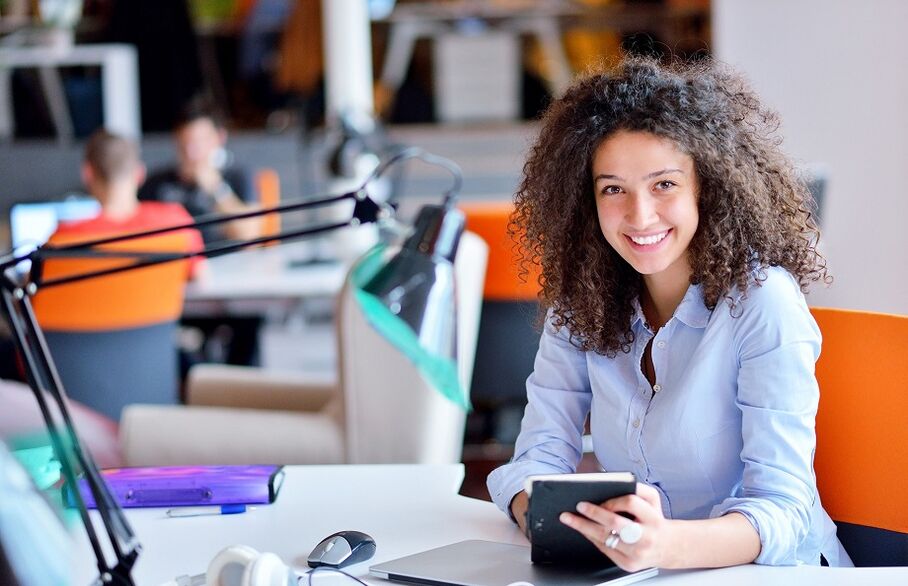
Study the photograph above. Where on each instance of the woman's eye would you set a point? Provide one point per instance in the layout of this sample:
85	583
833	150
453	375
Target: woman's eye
611	190
663	185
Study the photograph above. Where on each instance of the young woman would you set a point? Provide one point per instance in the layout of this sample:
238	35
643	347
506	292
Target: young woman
675	240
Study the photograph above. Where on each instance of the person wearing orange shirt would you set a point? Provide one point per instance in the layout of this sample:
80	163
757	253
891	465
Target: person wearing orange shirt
112	172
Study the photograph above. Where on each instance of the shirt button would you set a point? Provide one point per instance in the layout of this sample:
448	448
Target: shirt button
660	344
657	388
636	423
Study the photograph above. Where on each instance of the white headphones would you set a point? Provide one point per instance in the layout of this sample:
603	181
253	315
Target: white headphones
241	565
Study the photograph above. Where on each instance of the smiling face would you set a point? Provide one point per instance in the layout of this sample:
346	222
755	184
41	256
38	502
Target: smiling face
646	200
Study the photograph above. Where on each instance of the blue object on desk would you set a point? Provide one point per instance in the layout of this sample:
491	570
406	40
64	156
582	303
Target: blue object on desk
203	511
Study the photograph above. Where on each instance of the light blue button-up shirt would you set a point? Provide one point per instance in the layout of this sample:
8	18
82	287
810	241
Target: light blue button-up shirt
728	426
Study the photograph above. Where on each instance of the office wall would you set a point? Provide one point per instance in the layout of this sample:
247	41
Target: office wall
836	71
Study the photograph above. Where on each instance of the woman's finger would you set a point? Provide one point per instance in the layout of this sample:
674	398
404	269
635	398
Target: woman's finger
649	494
610	520
642	510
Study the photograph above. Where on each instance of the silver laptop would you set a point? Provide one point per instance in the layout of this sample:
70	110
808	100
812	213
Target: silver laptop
487	563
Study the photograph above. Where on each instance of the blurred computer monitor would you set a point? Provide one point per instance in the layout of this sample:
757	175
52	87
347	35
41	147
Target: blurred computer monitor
31	224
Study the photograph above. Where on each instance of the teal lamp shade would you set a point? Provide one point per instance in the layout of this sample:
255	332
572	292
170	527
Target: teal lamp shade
410	298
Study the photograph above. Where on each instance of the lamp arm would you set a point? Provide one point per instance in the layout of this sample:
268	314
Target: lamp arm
214	220
365	211
211	219
44	380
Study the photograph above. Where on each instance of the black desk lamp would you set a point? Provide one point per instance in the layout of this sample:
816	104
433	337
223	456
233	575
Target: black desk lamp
410	296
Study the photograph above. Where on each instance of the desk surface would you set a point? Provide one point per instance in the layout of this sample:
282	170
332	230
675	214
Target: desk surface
262	273
96	53
255	281
406	509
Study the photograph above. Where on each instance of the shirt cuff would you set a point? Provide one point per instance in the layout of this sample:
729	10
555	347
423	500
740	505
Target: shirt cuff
505	482
778	545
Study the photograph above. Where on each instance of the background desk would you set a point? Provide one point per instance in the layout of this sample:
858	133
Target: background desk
119	78
407	509
256	280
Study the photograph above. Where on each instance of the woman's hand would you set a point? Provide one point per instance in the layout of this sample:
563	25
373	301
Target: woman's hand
600	522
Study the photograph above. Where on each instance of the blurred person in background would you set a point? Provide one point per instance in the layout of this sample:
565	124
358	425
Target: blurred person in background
203	180
112	173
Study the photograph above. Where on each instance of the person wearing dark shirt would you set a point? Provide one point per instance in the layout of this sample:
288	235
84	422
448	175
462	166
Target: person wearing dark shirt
201	181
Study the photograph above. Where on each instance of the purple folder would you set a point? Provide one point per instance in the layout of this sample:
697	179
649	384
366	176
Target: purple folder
174	486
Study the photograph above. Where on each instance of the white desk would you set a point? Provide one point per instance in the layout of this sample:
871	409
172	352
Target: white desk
406	509
254	280
119	79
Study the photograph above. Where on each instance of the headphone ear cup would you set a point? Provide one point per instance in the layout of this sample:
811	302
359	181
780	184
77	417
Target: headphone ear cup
267	570
229	566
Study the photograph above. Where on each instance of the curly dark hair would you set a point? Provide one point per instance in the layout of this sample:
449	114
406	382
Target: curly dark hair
755	208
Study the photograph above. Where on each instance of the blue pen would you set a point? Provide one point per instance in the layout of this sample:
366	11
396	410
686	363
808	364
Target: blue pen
212	510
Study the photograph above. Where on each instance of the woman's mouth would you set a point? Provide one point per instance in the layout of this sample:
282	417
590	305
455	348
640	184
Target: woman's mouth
648	241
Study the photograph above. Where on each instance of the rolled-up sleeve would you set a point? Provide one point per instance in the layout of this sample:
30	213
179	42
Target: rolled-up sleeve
558	401
778	397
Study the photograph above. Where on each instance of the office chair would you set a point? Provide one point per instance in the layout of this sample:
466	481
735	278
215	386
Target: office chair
862	432
508	338
380	410
113	338
268	186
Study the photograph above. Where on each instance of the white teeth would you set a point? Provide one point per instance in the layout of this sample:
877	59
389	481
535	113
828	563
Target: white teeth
643	240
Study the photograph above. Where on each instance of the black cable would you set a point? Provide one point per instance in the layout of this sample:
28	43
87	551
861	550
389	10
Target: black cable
330	569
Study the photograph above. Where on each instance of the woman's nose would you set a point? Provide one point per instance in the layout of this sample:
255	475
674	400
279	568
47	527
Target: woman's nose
641	211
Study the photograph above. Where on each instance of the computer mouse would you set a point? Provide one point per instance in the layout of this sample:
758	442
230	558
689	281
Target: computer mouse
342	549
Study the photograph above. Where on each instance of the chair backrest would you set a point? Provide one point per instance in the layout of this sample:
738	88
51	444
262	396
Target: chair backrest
268	186
489	221
113	337
862	432
124	300
390	414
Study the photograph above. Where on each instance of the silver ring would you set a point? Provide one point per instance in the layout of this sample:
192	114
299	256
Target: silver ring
612	540
631	533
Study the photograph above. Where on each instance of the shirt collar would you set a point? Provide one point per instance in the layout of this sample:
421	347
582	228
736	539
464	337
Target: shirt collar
691	311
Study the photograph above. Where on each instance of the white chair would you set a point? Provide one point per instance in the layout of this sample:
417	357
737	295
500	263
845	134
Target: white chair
380	410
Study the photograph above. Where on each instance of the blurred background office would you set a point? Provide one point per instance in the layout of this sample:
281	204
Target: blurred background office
464	79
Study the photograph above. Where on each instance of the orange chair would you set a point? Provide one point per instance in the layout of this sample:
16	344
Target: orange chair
268	186
508	339
862	432
113	338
